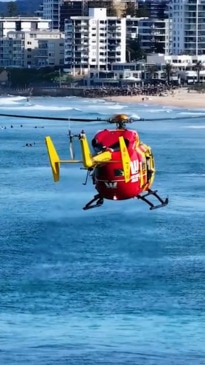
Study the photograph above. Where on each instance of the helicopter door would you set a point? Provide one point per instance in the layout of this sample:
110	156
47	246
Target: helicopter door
149	165
146	165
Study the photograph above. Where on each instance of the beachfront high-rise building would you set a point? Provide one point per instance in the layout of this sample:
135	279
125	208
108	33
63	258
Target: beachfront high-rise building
71	8
154	9
188	26
94	41
51	10
154	36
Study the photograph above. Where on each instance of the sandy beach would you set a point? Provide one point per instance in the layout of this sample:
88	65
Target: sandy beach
181	98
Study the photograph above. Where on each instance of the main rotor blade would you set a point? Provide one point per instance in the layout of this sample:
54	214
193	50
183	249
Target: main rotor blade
53	118
168	118
99	119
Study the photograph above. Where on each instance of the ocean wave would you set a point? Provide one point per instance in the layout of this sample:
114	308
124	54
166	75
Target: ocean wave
11	101
160	110
40	107
116	106
194	127
135	116
193	113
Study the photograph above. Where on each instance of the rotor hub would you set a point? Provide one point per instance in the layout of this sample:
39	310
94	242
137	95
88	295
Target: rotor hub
120	120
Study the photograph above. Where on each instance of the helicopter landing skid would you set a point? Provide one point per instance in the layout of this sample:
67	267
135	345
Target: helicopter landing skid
98	200
144	197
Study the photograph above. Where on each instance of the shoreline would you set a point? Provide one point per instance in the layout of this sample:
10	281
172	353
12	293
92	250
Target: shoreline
181	99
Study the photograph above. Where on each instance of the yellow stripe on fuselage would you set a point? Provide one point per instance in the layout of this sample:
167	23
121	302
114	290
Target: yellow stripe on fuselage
125	159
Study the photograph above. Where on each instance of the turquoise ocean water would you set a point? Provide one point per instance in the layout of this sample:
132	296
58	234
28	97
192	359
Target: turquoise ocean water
114	285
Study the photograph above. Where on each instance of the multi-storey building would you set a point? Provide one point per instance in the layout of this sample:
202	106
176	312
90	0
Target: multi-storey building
16	24
155	9
185	66
71	8
32	49
51	10
94	41
188	26
154	35
132	27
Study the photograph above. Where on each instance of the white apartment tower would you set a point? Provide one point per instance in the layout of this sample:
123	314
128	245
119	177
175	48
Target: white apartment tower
94	41
188	26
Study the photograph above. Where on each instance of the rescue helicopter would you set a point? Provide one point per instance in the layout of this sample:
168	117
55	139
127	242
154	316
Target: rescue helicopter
121	167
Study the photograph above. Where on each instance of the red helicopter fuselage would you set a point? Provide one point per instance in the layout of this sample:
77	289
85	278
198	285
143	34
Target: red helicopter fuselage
109	177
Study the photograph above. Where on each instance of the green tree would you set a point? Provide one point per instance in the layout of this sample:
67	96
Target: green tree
130	9
168	70
198	67
12	8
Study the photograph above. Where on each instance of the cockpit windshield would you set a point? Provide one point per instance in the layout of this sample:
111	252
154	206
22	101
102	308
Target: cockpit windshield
99	147
116	146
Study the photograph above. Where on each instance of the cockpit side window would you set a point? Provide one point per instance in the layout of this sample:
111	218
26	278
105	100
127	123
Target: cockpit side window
98	147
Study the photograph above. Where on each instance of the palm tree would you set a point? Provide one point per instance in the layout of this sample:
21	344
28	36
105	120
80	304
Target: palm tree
168	69
198	67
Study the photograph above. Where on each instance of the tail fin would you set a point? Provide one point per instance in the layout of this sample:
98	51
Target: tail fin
54	159
86	154
125	159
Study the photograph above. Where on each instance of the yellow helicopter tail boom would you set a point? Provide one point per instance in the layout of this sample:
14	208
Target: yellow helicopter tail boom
105	156
86	154
55	159
125	159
